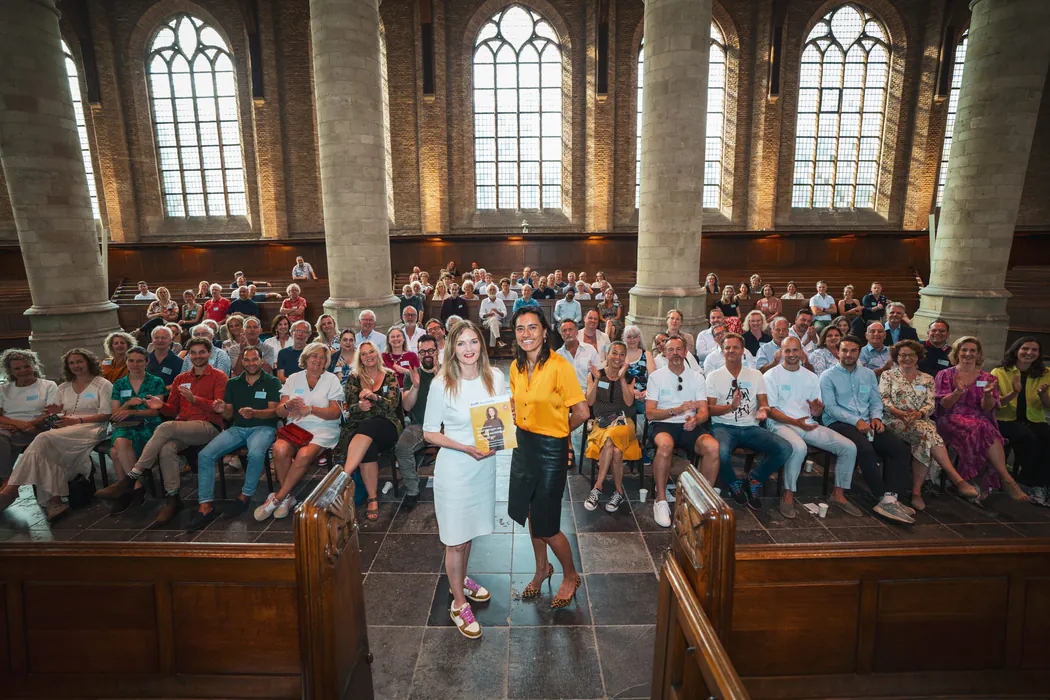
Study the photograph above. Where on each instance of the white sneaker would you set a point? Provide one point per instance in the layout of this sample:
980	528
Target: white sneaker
465	622
285	508
1038	495
267	508
662	514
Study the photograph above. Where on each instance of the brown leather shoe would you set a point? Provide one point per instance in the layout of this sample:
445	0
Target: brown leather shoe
169	511
117	489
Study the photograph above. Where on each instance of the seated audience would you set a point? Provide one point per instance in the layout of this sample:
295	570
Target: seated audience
755	331
853	408
468	293
591	335
303	270
716	358
605	290
677	410
294	307
326	332
493	312
570	281
907	396
848	307
232	332
250	404
582	277
792	293
133	423
1024	405
24	396
896	327
729	307
311	400
163	309
966	398
144	294
583	291
612	438
525	299
612	313
436	330
876	355
542	291
505	292
409	298
711	285
526	276
823	306
217	306
243	304
743	298
192	311
756	283
453	305
342	362
804	330
240	280
769	304
660	356
451	268
640	364
115	365
568	308
599	277
674	329
196	423
289	360
163	362
410	320
410	444
374	421
874	304
204	291
249	338
424	283
440	291
844	325
366	322
582	357
280	333
705	341
793	393
735	423
827	353
56	456
769	354
258	296
937	348
397	356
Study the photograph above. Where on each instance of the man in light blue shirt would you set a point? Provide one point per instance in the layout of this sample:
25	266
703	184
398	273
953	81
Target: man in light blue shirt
219	358
853	409
875	355
568	308
768	356
367	322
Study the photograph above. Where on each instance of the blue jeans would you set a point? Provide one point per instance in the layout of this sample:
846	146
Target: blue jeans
775	450
257	439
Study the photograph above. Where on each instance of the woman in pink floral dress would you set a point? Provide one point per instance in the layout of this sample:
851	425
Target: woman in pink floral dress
967	398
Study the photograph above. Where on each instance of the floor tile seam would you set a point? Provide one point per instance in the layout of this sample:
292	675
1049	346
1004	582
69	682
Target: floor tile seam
422	639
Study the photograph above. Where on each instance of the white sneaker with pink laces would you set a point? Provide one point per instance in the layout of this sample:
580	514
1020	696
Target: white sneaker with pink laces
465	622
474	590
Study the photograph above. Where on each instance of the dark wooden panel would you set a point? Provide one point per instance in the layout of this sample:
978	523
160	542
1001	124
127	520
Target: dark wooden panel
235	629
76	628
941	624
1036	631
779	629
5	632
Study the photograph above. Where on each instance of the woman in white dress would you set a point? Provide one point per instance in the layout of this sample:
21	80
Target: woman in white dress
58	455
464	476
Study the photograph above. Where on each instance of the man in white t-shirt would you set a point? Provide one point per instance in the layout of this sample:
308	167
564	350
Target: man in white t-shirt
660	358
705	341
715	358
144	293
676	407
492	312
591	335
822	305
736	397
580	355
410	317
23	398
794	405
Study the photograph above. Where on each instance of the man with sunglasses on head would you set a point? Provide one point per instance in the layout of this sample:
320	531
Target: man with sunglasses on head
411	445
676	406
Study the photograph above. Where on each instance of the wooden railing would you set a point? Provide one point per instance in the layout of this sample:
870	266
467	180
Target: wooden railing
690	660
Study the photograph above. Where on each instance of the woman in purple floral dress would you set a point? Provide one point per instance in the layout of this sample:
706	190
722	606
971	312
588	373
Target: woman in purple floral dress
967	398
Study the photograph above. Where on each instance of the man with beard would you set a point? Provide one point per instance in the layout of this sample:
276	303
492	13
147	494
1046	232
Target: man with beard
937	348
250	339
411	445
410	317
436	330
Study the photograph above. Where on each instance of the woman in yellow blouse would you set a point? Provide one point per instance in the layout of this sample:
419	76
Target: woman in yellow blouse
548	405
1025	382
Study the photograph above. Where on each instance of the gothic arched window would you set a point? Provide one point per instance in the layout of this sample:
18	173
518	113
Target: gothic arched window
517	112
78	110
716	94
841	111
953	108
193	92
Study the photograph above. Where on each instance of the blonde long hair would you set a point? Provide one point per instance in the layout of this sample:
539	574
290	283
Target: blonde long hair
358	368
450	371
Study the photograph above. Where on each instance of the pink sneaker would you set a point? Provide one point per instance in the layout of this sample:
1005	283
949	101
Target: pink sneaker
474	591
465	622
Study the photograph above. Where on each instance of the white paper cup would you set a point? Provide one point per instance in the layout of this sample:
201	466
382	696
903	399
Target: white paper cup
823	510
643	494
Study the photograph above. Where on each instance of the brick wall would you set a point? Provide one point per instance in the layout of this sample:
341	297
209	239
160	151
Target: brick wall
432	136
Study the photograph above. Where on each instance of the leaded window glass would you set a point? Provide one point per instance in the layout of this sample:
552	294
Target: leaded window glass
953	108
78	111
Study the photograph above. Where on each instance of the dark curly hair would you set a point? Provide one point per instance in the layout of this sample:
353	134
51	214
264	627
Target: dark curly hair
93	367
1037	368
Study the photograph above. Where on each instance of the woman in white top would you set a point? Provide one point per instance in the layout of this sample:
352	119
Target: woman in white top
583	292
792	292
327	333
282	334
312	400
464	476
82	406
22	400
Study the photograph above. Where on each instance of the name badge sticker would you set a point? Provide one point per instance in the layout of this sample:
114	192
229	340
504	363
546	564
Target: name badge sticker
921	388
943	363
125	394
165	370
260	394
33	397
185	385
603	385
982	383
745	385
89	395
865	389
300	392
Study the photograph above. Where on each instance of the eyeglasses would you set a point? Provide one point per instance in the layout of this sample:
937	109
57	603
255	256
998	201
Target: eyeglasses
427	352
679	383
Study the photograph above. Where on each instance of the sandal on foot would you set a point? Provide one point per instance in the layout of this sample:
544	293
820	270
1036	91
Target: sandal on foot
372	515
967	490
532	591
1014	491
917	503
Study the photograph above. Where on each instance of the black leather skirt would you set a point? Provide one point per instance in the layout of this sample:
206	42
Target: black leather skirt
538	471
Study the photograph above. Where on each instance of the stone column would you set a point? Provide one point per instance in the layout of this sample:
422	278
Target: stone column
1006	65
349	100
674	119
44	170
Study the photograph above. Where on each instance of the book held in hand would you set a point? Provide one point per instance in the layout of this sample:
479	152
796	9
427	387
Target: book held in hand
493	424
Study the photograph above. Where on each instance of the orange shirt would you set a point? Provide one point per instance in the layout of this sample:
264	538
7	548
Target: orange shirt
542	401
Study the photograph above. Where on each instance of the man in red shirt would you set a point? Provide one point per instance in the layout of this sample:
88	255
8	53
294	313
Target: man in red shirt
216	307
193	395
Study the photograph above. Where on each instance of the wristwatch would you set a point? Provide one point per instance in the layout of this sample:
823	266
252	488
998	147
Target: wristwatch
671	411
